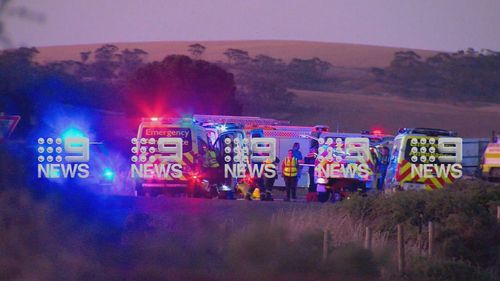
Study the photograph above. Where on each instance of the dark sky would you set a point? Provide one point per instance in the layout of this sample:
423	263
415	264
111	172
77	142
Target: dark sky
447	25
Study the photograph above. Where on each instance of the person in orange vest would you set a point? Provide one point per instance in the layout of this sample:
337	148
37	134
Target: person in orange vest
289	168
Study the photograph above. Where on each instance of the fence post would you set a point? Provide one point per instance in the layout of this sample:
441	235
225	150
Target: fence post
430	251
368	238
326	234
401	250
498	214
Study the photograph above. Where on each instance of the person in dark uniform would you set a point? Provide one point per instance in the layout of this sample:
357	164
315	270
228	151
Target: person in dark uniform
310	159
267	190
383	163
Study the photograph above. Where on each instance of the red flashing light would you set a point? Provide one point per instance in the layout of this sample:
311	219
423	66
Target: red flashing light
154	119
377	132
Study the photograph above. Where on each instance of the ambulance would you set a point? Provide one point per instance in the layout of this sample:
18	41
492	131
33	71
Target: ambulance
490	166
286	136
346	163
164	155
424	159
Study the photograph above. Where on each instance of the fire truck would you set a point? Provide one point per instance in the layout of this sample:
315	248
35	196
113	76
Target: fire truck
423	158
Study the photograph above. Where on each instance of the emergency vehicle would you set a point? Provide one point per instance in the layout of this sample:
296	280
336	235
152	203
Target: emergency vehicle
244	141
423	158
165	151
286	136
164	154
346	163
169	165
490	166
248	127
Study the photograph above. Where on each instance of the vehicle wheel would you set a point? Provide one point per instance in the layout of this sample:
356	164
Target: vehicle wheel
323	196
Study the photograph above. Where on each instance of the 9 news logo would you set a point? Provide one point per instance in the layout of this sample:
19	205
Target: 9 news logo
254	156
157	158
63	158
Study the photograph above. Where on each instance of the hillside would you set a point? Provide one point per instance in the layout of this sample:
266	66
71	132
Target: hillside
354	112
350	97
338	54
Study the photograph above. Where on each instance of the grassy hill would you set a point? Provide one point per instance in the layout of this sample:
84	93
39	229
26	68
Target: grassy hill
338	54
354	112
352	102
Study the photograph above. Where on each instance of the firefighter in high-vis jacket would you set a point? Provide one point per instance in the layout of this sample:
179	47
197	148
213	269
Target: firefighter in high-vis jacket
289	168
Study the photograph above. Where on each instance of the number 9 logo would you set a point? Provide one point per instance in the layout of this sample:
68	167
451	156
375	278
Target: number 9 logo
450	146
77	145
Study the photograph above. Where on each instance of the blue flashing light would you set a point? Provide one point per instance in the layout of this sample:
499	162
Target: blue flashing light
72	133
108	174
223	128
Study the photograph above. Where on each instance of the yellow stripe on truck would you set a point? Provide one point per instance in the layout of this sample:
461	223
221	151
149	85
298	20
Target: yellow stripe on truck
405	168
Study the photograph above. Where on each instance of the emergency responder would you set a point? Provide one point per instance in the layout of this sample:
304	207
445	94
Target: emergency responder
298	155
310	159
255	182
210	164
266	193
250	185
289	168
382	163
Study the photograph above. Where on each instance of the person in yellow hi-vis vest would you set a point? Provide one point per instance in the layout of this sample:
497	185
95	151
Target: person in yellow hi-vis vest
211	165
289	168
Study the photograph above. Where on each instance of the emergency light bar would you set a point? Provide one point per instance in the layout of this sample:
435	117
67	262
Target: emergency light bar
219	119
238	120
166	120
427	131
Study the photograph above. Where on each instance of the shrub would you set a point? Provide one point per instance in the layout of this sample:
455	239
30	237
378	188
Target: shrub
437	270
463	214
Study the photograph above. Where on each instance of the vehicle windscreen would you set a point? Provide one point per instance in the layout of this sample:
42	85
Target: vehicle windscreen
423	150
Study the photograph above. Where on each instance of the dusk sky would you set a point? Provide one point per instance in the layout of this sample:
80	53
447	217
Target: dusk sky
447	25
